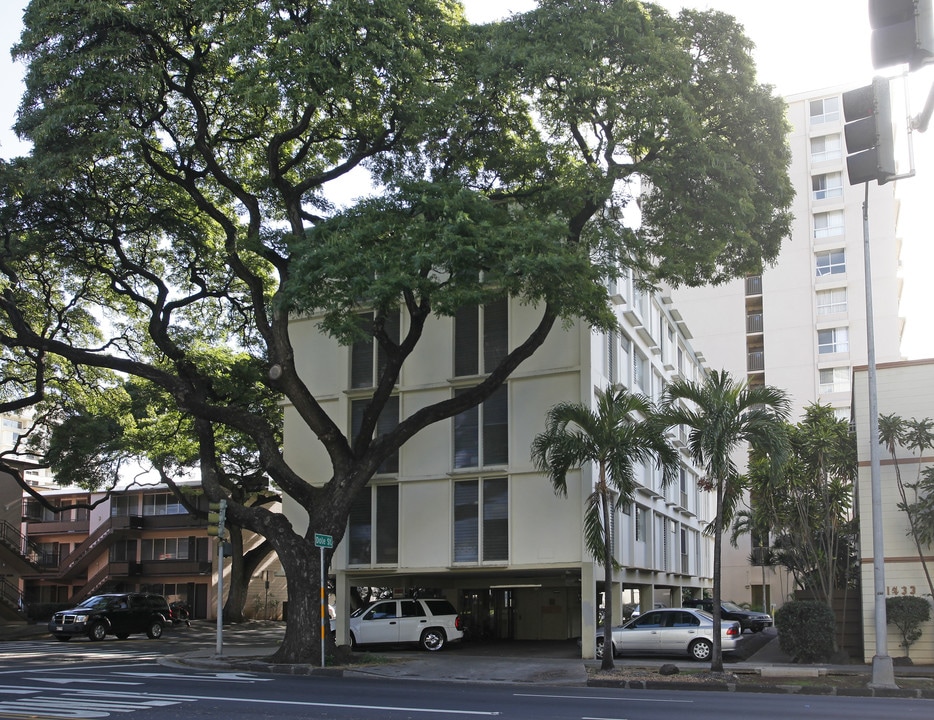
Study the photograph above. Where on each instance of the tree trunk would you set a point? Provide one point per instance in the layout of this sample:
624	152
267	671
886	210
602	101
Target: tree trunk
239	580
302	642
243	566
716	662
608	662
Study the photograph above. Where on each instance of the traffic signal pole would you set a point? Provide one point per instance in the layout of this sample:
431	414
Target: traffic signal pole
219	643
902	33
883	668
217	516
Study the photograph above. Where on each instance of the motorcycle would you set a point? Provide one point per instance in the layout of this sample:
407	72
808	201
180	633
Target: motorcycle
180	612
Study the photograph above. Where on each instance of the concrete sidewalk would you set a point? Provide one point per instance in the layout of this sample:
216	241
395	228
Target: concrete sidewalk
525	663
554	664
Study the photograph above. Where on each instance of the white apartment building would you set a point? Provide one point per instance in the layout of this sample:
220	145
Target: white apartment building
801	326
12	428
462	511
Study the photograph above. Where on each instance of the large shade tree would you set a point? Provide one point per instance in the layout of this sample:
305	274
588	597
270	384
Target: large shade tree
203	169
620	433
725	417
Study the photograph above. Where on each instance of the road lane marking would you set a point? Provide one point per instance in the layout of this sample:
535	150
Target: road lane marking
81	707
210	677
609	699
68	681
305	703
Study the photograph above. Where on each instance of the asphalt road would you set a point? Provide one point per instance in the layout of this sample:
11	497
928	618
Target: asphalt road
128	688
42	679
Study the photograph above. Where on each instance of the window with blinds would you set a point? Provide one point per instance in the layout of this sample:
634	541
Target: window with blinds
481	436
481	338
367	357
162	504
388	419
374	514
481	520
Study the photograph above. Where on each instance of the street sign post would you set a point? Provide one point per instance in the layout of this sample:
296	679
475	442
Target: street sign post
323	541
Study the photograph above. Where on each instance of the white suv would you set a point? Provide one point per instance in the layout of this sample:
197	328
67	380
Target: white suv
431	623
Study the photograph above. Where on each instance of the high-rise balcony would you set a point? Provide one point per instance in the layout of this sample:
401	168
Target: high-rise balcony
755	361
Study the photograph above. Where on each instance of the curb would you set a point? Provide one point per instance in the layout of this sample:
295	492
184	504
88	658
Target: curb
789	689
253	666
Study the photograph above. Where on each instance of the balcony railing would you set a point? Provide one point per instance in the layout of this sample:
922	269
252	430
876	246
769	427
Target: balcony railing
754	285
754	323
755	361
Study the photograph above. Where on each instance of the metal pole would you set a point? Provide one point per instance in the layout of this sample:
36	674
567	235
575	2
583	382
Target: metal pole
219	648
323	604
883	672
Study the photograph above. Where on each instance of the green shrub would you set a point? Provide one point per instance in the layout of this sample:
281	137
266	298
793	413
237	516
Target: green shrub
907	613
805	630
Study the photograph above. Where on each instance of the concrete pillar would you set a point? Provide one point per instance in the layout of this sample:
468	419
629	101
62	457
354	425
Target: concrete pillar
590	603
342	607
646	598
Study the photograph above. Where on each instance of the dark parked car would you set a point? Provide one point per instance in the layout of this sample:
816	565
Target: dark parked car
748	619
120	614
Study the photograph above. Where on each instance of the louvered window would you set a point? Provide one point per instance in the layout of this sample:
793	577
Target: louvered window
481	520
481	338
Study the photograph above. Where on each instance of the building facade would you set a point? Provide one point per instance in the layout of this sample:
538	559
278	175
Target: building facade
801	325
136	539
461	512
905	389
133	540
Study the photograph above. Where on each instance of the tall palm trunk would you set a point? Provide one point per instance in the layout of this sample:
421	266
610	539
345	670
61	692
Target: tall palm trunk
607	662
716	662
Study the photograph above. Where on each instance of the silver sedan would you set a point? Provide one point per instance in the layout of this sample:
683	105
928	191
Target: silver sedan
671	631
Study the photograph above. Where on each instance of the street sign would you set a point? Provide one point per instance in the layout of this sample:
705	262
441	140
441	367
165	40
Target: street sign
324	541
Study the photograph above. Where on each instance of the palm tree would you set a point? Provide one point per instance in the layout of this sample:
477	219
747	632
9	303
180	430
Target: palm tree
723	415
916	436
622	430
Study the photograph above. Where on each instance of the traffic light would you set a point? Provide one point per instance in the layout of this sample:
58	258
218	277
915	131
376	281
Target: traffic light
870	141
902	32
217	514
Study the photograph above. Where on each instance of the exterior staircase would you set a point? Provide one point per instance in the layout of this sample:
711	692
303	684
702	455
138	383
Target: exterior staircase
17	551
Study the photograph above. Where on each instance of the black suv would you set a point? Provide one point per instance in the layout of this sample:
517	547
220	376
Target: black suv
120	614
748	619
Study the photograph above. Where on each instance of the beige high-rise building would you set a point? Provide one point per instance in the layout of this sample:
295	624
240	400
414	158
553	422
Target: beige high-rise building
801	325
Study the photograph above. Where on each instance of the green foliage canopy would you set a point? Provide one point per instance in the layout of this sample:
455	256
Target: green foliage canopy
192	164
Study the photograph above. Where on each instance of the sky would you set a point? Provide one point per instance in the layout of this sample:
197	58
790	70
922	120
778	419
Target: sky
800	46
